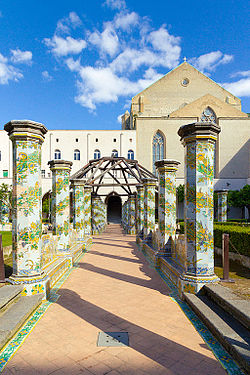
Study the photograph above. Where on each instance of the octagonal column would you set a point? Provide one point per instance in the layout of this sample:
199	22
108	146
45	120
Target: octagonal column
166	203
139	209
27	138
131	215
199	142
78	207
87	210
222	205
97	215
149	206
4	212
60	203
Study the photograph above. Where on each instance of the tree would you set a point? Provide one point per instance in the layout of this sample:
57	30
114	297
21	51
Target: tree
240	198
180	193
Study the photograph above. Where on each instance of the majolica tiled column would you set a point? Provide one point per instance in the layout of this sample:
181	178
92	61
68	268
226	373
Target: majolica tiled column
60	203
5	212
131	215
78	207
27	138
222	205
199	142
97	215
139	209
166	203
149	206
87	210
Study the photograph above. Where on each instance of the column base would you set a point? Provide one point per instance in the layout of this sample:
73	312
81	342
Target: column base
193	284
39	284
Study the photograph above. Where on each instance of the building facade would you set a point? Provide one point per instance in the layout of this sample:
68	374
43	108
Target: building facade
149	131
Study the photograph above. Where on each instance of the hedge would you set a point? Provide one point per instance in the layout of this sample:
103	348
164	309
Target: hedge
239	236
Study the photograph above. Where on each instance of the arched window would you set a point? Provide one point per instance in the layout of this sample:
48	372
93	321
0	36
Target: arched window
158	148
97	154
76	155
208	115
131	155
57	154
114	153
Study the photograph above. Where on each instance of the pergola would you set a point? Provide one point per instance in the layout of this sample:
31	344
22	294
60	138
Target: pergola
123	171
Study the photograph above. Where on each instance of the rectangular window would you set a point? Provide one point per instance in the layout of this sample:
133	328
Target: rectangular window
57	140
114	139
5	174
96	139
43	173
76	139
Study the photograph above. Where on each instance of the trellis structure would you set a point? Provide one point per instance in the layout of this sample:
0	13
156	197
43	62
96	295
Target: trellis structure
124	172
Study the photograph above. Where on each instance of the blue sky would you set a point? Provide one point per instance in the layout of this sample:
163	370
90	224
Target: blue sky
76	64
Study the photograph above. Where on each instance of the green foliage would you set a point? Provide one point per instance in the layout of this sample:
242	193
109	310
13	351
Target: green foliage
239	237
240	198
6	194
180	193
6	238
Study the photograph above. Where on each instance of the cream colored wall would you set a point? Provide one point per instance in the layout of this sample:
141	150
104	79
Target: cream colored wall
233	146
234	149
168	94
146	128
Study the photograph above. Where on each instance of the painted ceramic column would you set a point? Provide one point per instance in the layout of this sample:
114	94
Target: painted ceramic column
149	206
78	207
199	142
222	205
131	215
139	209
5	212
97	217
27	138
60	203
87	210
166	203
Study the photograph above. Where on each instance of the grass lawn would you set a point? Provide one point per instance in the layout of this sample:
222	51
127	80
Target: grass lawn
7	238
7	241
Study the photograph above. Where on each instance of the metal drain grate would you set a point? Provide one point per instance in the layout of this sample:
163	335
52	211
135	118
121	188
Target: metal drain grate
113	339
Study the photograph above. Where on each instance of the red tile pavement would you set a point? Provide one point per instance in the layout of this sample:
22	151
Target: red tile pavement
114	290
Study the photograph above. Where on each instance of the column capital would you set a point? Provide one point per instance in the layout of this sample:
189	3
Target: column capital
60	164
167	164
78	182
199	130
149	181
222	191
23	129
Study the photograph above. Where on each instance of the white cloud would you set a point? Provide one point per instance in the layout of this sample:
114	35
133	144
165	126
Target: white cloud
72	21
116	4
210	61
125	21
8	72
46	76
20	57
241	87
244	73
119	119
107	41
63	47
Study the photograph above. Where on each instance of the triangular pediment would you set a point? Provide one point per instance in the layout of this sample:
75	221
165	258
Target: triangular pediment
196	108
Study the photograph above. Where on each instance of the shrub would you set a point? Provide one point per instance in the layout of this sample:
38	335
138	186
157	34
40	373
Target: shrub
239	236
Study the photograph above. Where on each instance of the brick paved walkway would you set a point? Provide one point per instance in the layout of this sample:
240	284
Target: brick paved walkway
112	290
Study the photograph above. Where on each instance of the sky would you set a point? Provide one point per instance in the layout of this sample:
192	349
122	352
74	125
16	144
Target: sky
77	64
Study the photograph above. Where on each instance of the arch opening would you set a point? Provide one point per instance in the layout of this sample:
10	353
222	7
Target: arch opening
114	208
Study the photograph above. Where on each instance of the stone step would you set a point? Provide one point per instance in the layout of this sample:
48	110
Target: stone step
229	301
230	333
8	294
15	316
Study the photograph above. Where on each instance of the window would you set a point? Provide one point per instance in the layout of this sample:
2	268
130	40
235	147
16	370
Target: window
208	115
158	148
114	154
131	155
97	154
114	139
48	174
76	139
43	173
57	140
96	139
5	174
57	154
76	155
130	139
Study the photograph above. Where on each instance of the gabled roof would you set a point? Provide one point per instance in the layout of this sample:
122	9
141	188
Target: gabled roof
195	108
